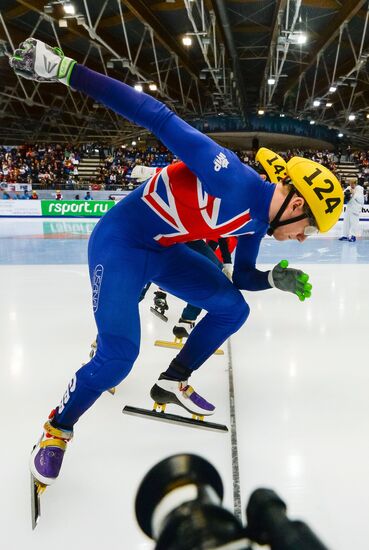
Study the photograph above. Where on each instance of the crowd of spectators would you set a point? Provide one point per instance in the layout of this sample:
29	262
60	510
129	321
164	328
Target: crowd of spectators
57	167
46	165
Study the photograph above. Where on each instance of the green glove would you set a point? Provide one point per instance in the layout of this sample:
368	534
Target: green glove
290	280
35	60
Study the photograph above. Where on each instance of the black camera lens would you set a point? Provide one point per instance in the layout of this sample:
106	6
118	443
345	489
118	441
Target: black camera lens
178	504
177	471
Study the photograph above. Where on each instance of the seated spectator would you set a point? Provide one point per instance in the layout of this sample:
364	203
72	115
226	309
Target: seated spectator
24	195
88	196
34	195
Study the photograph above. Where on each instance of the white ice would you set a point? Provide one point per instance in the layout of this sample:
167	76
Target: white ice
302	409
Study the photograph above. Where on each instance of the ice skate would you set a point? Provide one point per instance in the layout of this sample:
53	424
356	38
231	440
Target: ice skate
160	305
45	462
93	349
180	393
352	239
183	328
343	239
166	392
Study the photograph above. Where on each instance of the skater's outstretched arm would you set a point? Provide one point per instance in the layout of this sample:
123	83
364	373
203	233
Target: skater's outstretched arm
218	168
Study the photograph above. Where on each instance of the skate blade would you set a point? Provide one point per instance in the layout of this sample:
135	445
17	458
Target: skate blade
112	391
179	345
158	314
37	489
174	418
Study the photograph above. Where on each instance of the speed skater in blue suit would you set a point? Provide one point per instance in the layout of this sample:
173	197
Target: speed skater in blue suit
208	195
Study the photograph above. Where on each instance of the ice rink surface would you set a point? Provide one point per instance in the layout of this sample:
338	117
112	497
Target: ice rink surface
301	391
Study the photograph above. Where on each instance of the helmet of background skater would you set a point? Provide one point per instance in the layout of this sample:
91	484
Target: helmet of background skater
274	165
320	188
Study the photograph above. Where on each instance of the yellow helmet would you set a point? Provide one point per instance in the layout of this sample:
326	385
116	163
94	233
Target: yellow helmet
320	188
316	184
274	165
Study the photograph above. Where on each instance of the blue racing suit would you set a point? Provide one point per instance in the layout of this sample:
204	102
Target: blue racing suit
208	195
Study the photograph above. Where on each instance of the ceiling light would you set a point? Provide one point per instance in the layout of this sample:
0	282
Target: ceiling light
187	41
63	23
69	8
153	87
340	134
271	81
261	111
333	89
316	102
367	115
301	38
48	8
138	87
282	115
133	143
329	104
351	117
312	121
110	64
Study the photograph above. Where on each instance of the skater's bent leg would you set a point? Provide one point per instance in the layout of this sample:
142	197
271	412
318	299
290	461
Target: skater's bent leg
194	278
118	275
112	363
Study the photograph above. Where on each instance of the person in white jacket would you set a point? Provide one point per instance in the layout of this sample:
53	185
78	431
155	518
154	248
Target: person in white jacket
354	205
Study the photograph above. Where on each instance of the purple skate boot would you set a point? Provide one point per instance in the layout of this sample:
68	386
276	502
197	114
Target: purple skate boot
47	456
180	393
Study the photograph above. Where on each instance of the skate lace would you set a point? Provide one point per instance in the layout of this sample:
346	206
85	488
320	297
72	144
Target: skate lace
186	389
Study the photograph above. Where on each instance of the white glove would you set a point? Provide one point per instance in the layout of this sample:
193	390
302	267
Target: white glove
35	60
228	271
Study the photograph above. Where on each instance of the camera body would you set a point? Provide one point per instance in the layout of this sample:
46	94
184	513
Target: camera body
179	505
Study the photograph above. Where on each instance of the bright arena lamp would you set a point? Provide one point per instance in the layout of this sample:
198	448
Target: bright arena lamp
351	117
134	143
329	104
153	87
69	8
187	41
301	38
312	122
138	87
316	103
261	111
271	81
340	135
333	89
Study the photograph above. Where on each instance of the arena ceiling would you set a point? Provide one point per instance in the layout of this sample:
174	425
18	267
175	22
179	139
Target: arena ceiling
246	55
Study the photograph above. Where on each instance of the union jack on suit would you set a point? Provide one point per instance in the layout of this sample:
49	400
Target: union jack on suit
209	194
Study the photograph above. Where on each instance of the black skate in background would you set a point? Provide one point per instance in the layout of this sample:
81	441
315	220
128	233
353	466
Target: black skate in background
160	305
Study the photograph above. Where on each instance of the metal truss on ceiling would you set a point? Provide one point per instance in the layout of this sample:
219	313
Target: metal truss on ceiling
329	84
244	55
192	89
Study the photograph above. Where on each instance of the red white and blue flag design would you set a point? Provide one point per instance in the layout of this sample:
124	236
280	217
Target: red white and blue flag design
177	196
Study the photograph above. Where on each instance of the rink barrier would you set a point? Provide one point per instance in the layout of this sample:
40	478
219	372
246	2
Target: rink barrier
79	209
54	208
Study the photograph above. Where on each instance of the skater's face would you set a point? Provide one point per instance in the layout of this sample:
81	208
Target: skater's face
295	230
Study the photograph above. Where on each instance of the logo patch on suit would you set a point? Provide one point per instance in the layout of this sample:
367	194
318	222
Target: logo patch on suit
96	286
